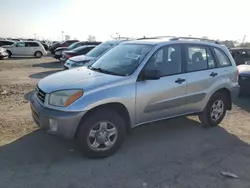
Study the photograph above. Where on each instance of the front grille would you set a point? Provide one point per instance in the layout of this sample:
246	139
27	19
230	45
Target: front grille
40	94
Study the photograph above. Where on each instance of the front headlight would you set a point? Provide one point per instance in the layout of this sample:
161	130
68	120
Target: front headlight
78	64
64	97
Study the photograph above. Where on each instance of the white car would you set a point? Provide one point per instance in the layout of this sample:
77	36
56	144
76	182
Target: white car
26	48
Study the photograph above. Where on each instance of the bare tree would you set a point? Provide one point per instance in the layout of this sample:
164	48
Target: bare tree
91	38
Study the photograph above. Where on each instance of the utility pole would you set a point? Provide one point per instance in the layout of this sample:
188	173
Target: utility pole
62	34
244	38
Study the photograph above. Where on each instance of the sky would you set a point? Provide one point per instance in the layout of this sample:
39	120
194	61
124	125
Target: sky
217	19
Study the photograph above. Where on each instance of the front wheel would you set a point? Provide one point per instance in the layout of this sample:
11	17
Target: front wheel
102	134
215	110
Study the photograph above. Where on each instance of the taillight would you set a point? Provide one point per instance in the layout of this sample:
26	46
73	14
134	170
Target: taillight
68	56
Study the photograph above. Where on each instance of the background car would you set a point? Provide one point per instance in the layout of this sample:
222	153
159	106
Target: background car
3	53
244	79
58	51
62	44
26	48
6	42
82	50
92	55
240	55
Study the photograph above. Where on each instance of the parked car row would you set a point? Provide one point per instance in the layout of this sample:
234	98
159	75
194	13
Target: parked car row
133	83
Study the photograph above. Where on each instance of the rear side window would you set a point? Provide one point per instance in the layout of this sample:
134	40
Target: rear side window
223	60
31	44
198	58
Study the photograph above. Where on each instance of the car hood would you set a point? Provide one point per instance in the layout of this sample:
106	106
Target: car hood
82	58
82	78
61	48
6	46
244	69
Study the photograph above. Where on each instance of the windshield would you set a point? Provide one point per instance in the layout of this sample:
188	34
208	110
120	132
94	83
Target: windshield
122	60
99	50
74	45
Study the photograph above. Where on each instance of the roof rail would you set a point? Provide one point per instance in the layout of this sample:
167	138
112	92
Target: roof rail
195	38
157	37
119	37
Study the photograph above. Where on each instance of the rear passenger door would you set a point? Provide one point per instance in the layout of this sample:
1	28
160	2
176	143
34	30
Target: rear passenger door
31	48
201	75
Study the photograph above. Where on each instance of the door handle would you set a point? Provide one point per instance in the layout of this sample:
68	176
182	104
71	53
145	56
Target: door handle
213	74
180	80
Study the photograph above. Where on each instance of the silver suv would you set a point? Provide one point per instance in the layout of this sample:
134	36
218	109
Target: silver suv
136	82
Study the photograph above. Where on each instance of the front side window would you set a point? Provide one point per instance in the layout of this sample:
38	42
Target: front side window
198	58
122	60
20	44
222	58
167	60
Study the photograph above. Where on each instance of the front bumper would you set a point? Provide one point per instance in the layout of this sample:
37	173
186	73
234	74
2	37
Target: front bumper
245	87
3	55
57	56
54	121
63	60
244	82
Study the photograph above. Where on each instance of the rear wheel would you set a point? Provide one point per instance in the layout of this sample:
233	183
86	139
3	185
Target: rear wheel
102	134
38	54
215	110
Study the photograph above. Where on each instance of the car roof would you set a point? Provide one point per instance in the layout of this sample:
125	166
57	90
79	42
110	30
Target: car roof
167	41
85	46
115	41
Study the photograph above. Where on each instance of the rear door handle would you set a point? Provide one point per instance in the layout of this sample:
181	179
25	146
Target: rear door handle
180	80
213	74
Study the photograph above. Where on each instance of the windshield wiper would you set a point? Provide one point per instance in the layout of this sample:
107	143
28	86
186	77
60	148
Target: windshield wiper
104	71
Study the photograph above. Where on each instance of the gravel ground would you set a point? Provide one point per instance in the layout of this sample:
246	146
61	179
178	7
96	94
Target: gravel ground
173	153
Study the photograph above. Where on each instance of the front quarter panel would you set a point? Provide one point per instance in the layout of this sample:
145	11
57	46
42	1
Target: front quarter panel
123	93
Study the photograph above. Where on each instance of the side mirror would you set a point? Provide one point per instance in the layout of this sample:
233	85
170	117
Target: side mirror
151	75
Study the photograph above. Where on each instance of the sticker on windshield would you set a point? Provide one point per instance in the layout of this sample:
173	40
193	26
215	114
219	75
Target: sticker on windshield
132	56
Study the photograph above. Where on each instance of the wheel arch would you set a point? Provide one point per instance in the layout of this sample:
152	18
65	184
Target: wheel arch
227	93
38	51
115	106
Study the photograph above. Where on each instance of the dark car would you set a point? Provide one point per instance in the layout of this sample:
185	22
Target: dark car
62	44
244	79
82	50
240	55
91	56
6	42
59	50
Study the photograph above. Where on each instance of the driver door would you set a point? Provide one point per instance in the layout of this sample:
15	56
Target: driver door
164	97
19	49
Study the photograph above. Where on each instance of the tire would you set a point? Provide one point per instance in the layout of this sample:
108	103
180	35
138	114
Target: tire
92	125
9	53
38	54
205	116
